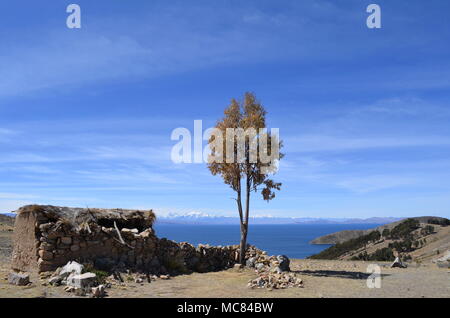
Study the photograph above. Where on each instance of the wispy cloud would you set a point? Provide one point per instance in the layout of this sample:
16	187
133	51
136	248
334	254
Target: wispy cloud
6	135
4	131
12	205
71	62
405	106
14	196
195	37
35	169
317	143
373	183
132	175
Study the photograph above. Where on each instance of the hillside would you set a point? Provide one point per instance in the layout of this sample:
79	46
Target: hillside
6	219
6	230
339	237
417	239
342	236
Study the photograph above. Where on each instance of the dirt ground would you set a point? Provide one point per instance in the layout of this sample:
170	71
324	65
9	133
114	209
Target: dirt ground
321	279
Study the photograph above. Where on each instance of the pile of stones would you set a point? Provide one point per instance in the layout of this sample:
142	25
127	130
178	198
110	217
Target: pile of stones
181	258
262	262
276	281
75	280
443	261
273	271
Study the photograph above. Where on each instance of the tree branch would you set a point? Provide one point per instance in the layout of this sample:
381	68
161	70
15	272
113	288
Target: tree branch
120	237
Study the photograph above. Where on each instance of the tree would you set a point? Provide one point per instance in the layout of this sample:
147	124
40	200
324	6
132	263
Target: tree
246	157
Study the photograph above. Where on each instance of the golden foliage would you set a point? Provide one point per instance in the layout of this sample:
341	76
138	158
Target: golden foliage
248	115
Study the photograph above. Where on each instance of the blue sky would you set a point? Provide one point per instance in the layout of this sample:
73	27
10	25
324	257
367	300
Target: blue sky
86	115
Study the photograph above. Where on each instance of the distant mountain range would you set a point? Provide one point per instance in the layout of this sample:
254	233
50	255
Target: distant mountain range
13	215
201	218
6	219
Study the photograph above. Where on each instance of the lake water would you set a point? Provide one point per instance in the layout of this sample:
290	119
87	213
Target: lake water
290	239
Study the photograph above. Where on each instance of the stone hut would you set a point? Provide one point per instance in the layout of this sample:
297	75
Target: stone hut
47	237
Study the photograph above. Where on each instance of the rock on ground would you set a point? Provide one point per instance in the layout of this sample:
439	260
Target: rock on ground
284	263
71	268
445	258
83	281
19	279
398	263
99	291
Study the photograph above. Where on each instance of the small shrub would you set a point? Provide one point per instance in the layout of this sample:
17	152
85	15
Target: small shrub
175	265
428	229
384	255
441	222
407	257
341	248
101	275
404	229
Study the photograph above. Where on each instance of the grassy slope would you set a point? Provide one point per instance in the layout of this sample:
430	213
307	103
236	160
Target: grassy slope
373	246
342	236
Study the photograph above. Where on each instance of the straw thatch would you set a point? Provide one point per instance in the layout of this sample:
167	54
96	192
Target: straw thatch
103	217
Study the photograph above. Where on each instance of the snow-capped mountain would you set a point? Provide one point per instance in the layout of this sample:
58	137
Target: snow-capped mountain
204	218
13	215
192	215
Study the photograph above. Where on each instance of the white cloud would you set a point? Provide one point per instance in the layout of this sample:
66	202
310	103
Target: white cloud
317	143
373	183
171	40
34	169
71	62
4	131
404	106
6	135
131	175
12	205
13	196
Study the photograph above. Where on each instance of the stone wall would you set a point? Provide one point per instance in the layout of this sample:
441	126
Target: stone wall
47	237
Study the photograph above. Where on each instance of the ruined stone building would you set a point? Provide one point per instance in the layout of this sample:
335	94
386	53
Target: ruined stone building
47	237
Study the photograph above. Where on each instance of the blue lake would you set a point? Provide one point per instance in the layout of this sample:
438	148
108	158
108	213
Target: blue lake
290	239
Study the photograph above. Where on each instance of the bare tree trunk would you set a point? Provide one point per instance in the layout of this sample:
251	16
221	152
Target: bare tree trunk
244	224
239	203
243	242
243	245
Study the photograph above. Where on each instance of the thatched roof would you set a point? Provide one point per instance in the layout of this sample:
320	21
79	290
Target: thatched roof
104	217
